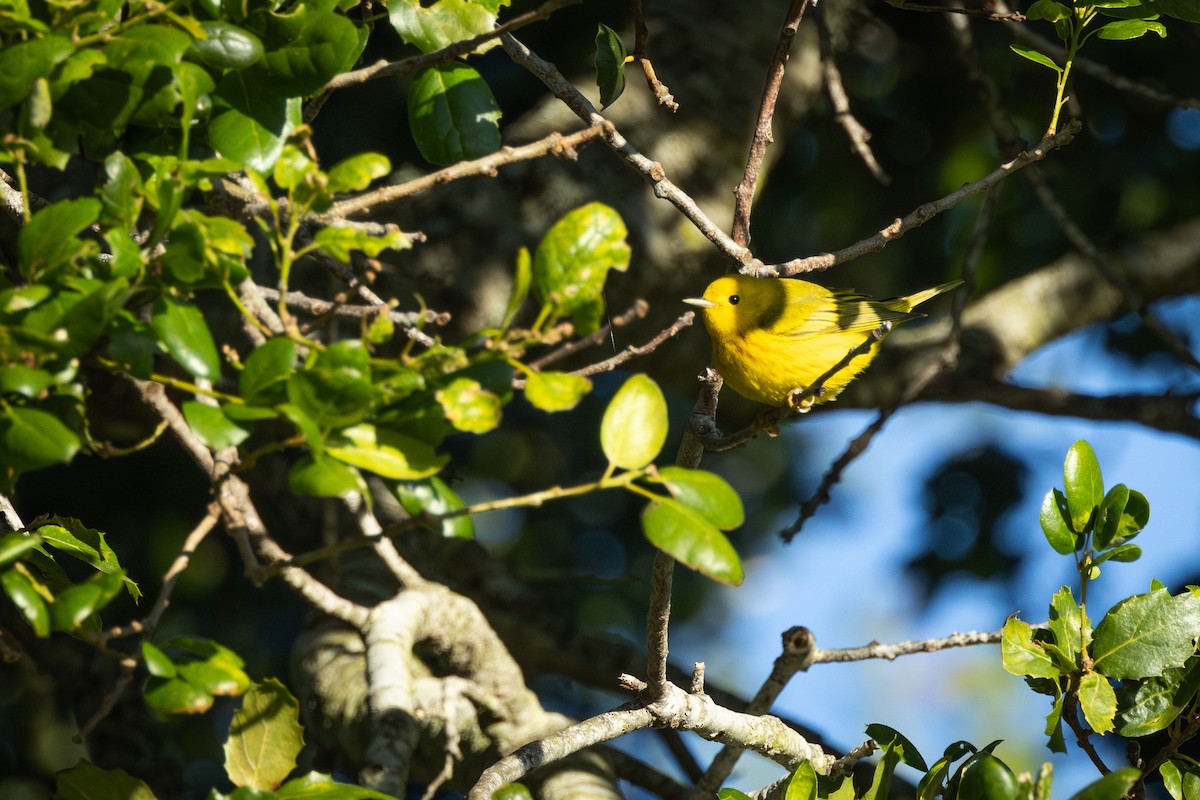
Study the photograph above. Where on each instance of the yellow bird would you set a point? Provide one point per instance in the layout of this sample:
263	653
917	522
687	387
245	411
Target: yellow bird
773	336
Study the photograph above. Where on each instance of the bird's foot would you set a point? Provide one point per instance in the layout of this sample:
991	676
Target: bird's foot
798	405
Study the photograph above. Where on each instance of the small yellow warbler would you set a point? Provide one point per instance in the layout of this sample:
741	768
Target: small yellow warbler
772	336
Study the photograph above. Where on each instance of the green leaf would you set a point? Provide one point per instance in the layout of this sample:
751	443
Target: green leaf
452	114
1150	705
25	381
158	663
1069	624
183	333
986	777
1049	10
1122	29
251	123
433	496
522	277
28	600
356	173
1056	743
691	540
225	46
887	736
1098	701
90	546
338	241
1144	635
215	677
634	426
316	786
333	393
89	318
1126	553
1084	485
1112	786
432	26
468	406
555	391
33	439
305	47
264	737
1035	57
610	65
1110	515
121	197
572	262
385	452
15	544
263	378
86	781
22	63
324	477
1055	524
76	604
1172	779
1134	518
1022	655
732	794
211	425
50	242
176	696
881	779
706	493
802	784
1180	9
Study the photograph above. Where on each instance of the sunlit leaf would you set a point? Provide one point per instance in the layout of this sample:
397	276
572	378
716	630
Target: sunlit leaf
634	426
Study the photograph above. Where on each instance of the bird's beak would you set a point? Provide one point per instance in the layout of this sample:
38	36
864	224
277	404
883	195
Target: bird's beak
699	302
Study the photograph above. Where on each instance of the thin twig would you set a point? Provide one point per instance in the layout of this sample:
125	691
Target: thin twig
636	311
641	55
554	144
859	136
633	351
921	214
982	13
658	617
744	192
652	171
890	652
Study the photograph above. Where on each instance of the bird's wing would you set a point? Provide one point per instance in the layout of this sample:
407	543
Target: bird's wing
851	313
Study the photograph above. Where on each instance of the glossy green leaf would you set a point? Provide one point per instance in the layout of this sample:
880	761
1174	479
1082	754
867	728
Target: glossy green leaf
50	241
1144	635
70	536
452	114
25	596
183	333
1055	521
1122	29
22	63
555	391
1150	705
433	25
324	477
263	377
987	778
881	778
802	783
1112	786
706	493
634	426
1035	57
89	318
1022	655
183	254
308	428
85	781
25	381
158	664
1049	10
250	123
610	65
732	794
121	197
1072	630
33	439
305	48
522	278
1098	701
1084	485
1180	9
356	173
691	540
176	696
433	496
1109	517
211	425
1172	779
215	677
572	262
316	786
73	606
1134	518
339	241
888	736
333	396
225	46
1126	553
468	406
15	544
264	737
385	452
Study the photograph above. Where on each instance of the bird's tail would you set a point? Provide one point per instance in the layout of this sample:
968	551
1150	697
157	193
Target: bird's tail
909	302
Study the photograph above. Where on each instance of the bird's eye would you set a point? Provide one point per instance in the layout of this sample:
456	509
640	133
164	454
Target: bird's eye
734	299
